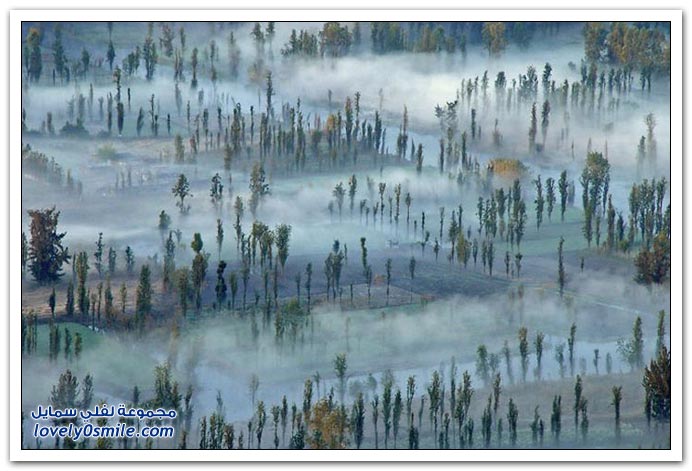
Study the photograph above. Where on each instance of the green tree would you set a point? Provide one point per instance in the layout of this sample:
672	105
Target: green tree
129	260
387	408
109	309
261	415
375	417
340	367
150	56
538	344
85	60
221	288
412	272
578	388
539	201
82	270
524	351
143	300
396	411
269	92
545	119
617	399
59	57
110	54
339	193
66	394
358	420
181	190
283	235
352	186
51	302
410	394
98	255
216	190
199	267
69	303
482	366
179	149
112	261
563	188
46	253
219	236
550	195
661	330
561	267
25	252
632	351
584	418
388	269
570	347
183	287
258	187
556	418
533	129
512	418
419	159
77	345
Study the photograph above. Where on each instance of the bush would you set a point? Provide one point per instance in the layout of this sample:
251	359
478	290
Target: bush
510	169
74	130
107	152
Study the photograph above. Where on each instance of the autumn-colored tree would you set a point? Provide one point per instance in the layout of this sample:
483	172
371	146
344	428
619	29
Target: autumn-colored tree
494	39
653	265
32	54
595	34
657	386
328	426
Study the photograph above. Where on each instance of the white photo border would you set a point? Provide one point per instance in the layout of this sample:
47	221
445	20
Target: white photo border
675	453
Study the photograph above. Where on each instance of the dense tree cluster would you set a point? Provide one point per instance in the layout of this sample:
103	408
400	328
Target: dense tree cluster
633	46
38	165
